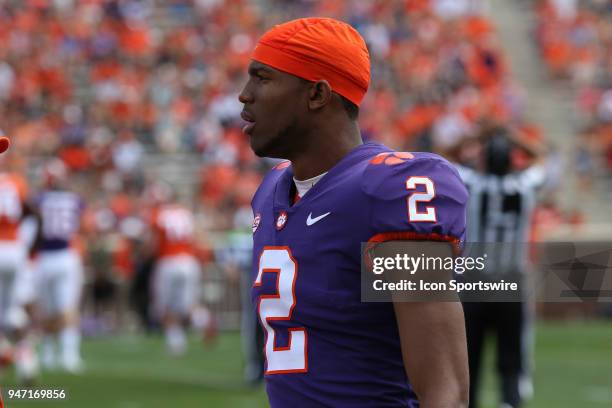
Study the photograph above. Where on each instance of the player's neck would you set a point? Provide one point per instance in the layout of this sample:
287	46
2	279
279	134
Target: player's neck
328	149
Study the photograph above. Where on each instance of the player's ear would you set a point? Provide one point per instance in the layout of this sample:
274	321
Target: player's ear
319	94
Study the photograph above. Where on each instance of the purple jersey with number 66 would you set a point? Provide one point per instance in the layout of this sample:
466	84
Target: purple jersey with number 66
324	347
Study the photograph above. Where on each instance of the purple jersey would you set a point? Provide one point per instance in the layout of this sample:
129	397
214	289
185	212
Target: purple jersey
61	214
324	347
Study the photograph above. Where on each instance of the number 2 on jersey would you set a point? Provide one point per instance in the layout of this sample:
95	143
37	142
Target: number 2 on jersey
414	215
278	307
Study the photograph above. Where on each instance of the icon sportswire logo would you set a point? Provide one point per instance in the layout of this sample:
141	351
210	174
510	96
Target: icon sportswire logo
310	220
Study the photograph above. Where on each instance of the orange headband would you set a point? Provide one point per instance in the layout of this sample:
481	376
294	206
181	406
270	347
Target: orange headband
319	48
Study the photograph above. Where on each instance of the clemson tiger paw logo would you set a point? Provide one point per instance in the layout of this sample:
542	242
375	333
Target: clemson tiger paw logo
391	158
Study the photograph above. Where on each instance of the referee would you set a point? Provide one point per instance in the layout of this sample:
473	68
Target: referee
499	215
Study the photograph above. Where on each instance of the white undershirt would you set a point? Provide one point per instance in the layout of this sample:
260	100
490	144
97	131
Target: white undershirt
303	186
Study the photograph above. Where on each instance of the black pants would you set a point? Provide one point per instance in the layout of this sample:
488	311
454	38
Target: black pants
507	321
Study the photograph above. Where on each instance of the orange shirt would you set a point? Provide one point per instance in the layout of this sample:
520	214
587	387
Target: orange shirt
13	191
174	228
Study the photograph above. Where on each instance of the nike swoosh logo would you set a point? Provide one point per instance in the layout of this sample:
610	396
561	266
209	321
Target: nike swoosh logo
310	220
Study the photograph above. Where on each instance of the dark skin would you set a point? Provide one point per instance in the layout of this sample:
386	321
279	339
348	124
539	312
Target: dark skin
306	123
297	120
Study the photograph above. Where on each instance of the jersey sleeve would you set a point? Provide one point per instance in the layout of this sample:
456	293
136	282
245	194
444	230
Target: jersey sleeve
420	198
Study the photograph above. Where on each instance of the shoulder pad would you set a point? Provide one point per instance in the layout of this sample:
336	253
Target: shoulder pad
269	182
386	175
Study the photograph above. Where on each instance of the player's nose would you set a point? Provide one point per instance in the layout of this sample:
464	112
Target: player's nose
245	95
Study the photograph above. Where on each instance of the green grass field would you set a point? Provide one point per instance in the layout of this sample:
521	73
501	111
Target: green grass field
573	369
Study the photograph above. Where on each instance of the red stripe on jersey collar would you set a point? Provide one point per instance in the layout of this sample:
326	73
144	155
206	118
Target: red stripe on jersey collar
296	198
415	236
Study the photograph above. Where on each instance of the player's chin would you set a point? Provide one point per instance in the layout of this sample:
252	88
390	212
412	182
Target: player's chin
259	146
261	143
265	147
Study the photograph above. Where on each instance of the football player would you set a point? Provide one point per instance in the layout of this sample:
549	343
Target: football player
13	256
16	217
16	291
324	347
13	193
59	269
176	274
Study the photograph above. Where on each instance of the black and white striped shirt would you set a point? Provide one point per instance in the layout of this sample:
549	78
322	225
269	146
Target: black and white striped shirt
500	211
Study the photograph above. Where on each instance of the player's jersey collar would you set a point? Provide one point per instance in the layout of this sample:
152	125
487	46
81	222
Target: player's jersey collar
283	186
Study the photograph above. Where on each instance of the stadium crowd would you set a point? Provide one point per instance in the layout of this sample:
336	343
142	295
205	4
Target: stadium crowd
575	41
106	84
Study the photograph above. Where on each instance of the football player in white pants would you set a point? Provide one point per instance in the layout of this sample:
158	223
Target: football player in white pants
176	276
15	277
59	271
176	290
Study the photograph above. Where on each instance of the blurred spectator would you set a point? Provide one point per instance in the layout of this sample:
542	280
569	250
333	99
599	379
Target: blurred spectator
575	42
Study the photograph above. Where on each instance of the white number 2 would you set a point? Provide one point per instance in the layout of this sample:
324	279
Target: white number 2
279	306
429	215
